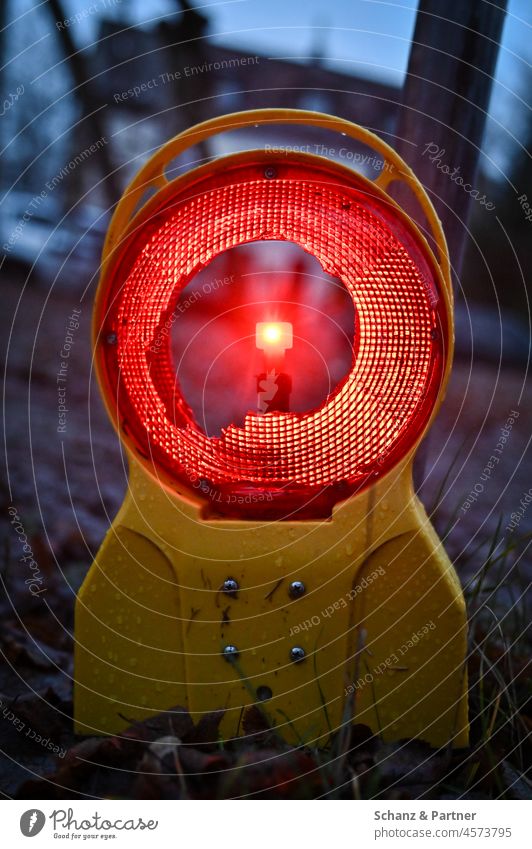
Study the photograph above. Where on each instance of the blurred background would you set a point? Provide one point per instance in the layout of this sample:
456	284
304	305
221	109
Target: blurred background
91	90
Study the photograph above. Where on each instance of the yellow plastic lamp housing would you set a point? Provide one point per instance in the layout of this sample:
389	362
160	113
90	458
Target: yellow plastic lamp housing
286	563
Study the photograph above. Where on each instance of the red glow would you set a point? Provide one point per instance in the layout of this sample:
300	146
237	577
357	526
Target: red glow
303	462
274	335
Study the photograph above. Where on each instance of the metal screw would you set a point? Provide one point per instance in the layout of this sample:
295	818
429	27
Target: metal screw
296	589
270	173
111	338
230	653
230	587
297	654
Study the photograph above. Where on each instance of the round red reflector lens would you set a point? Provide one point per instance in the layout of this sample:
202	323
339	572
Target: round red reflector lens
278	465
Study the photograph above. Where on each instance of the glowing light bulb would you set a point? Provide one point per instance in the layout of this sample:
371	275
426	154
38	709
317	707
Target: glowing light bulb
273	385
272	333
276	335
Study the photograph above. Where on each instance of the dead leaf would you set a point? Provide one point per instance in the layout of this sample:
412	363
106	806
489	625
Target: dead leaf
206	731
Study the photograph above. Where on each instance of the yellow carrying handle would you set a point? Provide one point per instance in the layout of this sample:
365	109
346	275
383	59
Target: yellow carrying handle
152	175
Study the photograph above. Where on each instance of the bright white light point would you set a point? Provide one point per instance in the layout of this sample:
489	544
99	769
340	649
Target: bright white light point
273	335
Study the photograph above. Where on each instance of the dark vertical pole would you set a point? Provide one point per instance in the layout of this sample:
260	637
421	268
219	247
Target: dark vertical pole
87	98
445	101
446	97
4	18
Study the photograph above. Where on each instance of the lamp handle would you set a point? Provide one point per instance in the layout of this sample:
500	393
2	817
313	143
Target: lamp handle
152	175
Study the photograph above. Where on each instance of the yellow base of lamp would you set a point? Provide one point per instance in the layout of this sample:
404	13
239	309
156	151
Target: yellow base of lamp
381	620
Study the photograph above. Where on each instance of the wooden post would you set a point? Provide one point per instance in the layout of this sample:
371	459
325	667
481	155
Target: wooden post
4	20
83	91
446	97
445	100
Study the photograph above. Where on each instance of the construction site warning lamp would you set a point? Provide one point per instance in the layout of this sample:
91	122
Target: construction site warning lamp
291	545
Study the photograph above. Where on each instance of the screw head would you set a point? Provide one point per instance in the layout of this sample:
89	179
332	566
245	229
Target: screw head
296	589
230	653
230	587
270	173
111	338
297	654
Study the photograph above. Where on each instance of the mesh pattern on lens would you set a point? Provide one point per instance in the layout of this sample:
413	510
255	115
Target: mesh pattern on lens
368	414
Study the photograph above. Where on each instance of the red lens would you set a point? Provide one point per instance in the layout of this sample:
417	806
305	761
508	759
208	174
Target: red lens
278	465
